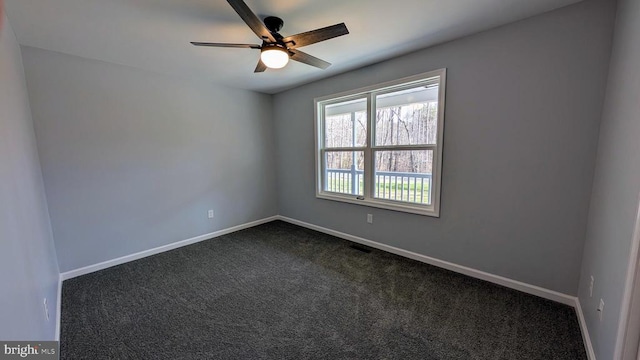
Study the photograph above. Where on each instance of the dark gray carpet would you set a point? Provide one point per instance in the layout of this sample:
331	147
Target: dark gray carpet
278	291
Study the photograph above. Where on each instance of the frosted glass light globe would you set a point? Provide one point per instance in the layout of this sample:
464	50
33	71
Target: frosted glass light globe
274	57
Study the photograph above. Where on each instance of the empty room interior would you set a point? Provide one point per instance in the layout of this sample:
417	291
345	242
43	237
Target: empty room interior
262	179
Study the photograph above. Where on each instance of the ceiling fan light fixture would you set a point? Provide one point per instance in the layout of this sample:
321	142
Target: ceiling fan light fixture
274	57
276	50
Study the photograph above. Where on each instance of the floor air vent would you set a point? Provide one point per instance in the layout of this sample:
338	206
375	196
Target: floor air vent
361	248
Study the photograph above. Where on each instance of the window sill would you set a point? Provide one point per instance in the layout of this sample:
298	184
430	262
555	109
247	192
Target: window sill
382	204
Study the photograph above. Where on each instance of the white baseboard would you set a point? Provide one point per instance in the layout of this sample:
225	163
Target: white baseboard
58	308
142	254
591	355
510	283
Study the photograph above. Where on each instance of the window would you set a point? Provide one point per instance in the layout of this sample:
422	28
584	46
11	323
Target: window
382	146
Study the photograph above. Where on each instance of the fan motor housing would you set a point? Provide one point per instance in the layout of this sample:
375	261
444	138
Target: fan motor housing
273	23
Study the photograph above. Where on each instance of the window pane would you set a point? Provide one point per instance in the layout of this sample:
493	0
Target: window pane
404	175
344	172
407	117
346	124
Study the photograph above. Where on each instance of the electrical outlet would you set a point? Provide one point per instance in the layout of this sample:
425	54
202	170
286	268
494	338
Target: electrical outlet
600	309
46	308
370	218
210	214
591	286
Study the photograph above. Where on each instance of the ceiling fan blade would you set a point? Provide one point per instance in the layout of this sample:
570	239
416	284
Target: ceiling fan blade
261	67
251	19
314	36
305	58
246	46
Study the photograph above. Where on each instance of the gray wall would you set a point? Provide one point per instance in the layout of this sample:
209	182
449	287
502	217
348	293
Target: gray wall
28	267
616	186
521	128
133	160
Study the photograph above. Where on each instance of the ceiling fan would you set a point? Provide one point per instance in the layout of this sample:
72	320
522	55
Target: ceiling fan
276	50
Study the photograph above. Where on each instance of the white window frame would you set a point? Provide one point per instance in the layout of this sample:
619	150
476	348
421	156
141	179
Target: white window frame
370	93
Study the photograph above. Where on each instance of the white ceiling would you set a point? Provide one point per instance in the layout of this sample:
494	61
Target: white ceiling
155	34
